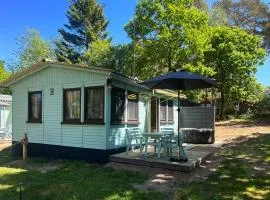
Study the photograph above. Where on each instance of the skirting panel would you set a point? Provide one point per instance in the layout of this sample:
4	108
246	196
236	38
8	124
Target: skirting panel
64	152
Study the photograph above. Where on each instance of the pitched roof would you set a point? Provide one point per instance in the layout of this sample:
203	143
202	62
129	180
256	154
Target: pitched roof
127	79
42	65
46	63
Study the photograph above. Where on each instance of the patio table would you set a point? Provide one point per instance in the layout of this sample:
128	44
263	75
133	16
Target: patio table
157	136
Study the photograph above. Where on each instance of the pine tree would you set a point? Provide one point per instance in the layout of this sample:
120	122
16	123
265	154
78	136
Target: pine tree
86	23
250	15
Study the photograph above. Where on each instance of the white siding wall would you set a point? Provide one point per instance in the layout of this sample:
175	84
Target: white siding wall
51	131
117	133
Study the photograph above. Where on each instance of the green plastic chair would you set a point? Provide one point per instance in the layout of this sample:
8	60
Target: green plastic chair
169	142
134	138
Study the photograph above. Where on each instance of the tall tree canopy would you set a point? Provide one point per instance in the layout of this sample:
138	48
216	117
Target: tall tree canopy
86	24
217	17
31	49
264	104
201	4
172	34
3	73
251	15
99	54
3	76
235	56
168	34
124	60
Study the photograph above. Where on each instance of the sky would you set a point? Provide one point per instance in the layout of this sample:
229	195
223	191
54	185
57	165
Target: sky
48	16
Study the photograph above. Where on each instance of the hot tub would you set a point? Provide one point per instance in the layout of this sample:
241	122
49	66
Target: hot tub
198	135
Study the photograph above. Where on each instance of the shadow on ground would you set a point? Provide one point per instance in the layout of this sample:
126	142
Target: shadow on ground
244	172
238	170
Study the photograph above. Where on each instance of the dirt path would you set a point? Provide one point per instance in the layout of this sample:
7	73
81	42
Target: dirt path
165	180
227	131
4	144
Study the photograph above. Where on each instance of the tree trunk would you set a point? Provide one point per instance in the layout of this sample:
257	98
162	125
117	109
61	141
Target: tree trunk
170	60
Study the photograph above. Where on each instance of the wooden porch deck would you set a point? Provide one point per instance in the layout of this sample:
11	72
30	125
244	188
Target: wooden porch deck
196	157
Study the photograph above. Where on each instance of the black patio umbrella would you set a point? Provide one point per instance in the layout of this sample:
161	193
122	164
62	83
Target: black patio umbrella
180	80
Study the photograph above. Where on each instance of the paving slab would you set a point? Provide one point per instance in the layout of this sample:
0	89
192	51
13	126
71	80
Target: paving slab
195	158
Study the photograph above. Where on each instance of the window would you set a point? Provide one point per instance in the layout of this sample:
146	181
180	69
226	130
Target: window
163	110
117	105
118	109
35	107
166	111
133	107
72	105
170	110
94	104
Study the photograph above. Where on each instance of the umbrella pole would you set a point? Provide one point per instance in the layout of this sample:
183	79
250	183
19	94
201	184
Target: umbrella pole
182	156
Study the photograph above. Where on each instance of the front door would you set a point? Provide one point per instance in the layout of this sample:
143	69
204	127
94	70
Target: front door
154	114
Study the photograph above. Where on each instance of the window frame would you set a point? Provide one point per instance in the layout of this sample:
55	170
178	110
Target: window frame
167	120
133	121
170	120
166	110
30	118
71	121
93	121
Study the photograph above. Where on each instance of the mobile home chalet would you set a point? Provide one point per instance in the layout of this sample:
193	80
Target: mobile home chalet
79	112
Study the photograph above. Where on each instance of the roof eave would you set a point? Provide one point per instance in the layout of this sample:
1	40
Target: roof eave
168	92
124	79
42	65
27	72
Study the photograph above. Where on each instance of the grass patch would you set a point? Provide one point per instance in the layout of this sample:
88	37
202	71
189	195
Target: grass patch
251	117
235	177
243	174
5	156
74	180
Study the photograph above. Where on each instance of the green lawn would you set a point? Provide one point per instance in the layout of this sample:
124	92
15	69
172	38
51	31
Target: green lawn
73	180
244	174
